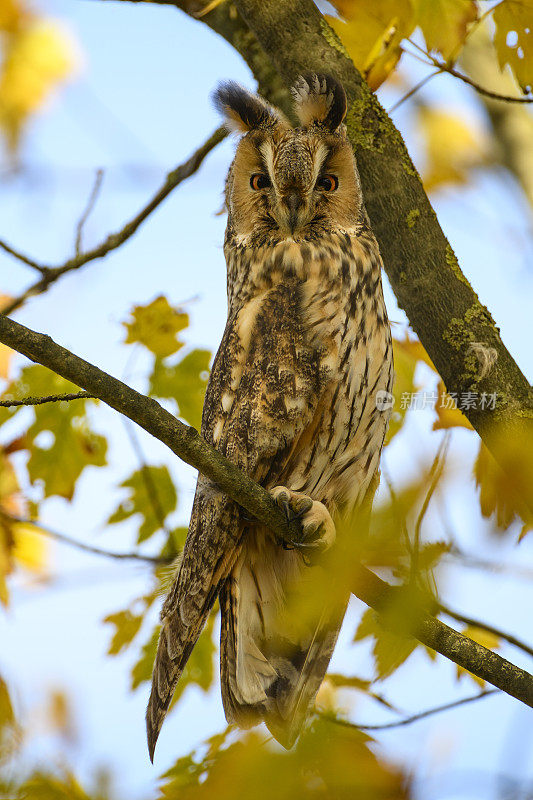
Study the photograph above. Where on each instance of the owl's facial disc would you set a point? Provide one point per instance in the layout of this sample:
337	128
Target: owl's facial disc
294	184
294	174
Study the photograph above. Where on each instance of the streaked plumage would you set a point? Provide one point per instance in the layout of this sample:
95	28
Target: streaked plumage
291	399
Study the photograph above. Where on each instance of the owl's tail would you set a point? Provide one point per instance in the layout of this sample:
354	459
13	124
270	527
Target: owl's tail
277	638
176	642
202	572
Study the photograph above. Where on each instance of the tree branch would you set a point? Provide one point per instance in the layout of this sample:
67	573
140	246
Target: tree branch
87	548
408	720
52	398
186	443
51	274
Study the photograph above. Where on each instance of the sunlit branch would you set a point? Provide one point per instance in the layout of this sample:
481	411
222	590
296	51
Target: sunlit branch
53	398
475	623
188	445
414	718
50	274
87	548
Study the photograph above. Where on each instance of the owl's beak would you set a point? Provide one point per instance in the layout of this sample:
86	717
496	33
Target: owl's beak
294	202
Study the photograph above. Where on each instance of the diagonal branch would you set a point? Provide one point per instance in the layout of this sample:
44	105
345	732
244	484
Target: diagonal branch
51	274
186	443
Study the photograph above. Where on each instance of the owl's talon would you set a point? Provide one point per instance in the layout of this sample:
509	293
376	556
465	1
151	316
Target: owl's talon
318	529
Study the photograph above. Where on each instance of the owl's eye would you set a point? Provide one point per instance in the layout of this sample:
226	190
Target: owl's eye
259	181
328	183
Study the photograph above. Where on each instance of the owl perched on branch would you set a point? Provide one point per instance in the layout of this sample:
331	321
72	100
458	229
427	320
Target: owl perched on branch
294	399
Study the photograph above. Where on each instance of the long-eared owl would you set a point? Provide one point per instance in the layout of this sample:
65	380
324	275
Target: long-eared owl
293	399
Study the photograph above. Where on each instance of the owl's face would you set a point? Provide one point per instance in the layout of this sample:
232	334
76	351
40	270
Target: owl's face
285	182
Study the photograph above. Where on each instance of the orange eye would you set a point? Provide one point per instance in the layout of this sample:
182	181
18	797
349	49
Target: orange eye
328	183
259	181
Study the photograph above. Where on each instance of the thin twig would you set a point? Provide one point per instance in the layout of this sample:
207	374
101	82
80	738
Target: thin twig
474	562
347	682
87	548
435	473
414	718
400	518
53	398
51	274
475	623
23	258
412	91
442	66
88	208
151	488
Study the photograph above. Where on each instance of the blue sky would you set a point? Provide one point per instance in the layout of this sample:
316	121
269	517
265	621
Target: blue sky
139	106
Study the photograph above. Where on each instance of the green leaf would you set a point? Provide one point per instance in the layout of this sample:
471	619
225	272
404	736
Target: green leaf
184	382
41	786
7	716
127	625
156	326
390	649
74	446
152	495
142	670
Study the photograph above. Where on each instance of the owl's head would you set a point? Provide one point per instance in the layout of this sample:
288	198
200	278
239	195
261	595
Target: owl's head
290	182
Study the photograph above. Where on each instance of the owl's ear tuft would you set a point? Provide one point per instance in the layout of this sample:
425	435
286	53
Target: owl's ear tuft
320	100
243	110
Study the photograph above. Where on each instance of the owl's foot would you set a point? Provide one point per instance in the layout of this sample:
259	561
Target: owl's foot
318	529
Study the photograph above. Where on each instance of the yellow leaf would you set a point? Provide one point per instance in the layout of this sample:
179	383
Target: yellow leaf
127	626
6	354
13	15
414	349
513	39
36	59
10	501
60	716
30	548
157	326
372	33
444	23
407	354
452	147
506	493
448	415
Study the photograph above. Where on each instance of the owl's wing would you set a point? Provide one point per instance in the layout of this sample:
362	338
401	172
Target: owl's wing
264	388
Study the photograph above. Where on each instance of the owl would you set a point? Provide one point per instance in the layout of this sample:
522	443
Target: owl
295	399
